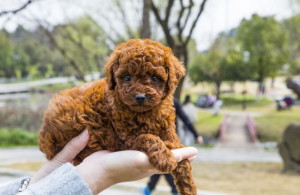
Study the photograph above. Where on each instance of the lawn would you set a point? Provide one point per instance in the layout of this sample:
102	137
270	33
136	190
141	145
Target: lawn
236	102
207	124
56	88
272	125
231	178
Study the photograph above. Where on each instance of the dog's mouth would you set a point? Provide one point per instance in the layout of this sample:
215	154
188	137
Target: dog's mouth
140	108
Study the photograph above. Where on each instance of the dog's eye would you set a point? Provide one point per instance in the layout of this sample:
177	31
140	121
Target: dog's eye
127	78
154	79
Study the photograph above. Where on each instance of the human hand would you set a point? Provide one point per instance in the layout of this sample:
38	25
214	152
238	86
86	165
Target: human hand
66	155
103	169
200	140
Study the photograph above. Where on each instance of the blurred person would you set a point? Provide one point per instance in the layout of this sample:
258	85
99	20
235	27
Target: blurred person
201	101
154	178
190	111
288	100
97	172
210	102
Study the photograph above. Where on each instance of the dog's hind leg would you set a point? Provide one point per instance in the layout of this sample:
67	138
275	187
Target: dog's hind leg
182	173
183	178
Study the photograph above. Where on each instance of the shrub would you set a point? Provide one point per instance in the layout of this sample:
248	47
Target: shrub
17	137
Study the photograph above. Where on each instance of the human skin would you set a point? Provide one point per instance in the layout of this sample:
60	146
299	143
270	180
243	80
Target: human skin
103	169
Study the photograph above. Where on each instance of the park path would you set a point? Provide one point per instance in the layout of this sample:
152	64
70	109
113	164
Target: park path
237	145
237	135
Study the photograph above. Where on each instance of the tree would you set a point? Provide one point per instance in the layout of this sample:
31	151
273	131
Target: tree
222	63
293	54
208	68
82	44
179	42
146	31
20	63
6	52
266	41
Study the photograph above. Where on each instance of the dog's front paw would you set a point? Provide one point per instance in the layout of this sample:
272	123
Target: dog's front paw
163	161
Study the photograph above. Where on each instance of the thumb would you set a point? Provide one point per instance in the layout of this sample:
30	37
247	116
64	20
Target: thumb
72	148
66	155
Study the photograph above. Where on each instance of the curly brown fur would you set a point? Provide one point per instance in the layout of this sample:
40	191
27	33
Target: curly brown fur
115	119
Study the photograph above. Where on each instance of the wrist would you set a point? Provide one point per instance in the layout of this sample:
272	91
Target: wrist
97	181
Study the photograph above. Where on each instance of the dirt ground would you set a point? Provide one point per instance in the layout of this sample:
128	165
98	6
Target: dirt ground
244	179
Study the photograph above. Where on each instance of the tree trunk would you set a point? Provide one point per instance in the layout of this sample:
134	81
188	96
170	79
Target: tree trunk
218	86
145	32
181	50
179	88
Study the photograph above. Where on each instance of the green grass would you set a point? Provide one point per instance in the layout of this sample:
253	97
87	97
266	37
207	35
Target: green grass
57	87
207	124
272	125
17	137
234	102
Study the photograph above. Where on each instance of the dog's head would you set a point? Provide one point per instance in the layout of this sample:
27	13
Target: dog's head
142	73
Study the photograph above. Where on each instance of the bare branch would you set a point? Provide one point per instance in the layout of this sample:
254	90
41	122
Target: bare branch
188	15
79	43
164	25
125	21
195	21
156	13
168	10
179	35
112	29
63	52
17	10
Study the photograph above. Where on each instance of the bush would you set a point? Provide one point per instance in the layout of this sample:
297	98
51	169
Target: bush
17	137
21	117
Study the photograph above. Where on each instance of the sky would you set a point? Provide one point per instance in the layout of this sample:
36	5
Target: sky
218	15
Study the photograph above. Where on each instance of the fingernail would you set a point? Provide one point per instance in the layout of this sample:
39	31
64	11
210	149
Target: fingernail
84	134
178	157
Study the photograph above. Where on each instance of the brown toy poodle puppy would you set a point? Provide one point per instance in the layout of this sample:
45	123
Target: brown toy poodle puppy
131	109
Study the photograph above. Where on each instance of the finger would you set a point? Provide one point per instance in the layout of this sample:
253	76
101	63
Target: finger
185	153
99	155
139	160
192	158
102	152
72	148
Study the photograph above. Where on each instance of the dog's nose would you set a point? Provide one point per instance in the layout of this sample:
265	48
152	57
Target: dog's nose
140	98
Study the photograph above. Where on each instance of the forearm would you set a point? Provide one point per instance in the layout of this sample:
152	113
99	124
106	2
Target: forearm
10	188
65	181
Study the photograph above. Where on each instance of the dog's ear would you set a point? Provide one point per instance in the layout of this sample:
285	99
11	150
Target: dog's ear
110	69
176	71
